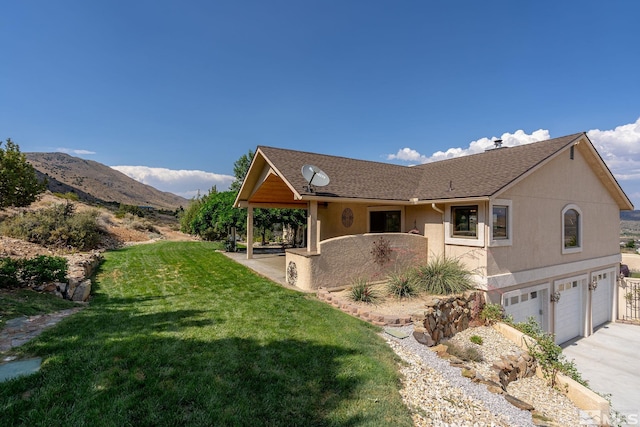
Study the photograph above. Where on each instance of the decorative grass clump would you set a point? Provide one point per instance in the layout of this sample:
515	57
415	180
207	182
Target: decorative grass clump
463	353
363	292
476	339
443	276
401	286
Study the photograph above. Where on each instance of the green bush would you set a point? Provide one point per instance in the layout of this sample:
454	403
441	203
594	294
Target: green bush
56	226
492	313
43	269
8	273
362	291
34	271
443	276
400	286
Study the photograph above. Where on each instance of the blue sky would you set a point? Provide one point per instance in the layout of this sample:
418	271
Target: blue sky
173	92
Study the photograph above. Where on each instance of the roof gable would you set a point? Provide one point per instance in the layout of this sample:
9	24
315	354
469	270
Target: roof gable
481	175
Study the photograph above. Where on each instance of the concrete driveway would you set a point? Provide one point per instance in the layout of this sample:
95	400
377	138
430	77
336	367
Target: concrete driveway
610	360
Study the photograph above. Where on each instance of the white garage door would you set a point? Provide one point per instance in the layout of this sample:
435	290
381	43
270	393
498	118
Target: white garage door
569	309
602	298
525	303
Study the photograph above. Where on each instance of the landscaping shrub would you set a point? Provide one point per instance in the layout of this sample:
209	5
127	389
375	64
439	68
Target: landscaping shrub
43	269
442	276
400	286
548	354
34	271
8	273
362	291
56	226
492	313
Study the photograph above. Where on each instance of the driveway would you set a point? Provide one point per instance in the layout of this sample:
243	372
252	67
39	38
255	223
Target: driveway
610	360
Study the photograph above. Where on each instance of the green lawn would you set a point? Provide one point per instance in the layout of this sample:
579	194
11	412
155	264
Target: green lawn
177	334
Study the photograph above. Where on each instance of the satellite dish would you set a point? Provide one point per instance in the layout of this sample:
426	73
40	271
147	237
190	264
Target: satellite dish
314	176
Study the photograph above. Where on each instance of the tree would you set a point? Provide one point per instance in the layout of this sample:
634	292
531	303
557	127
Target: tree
240	169
19	184
216	216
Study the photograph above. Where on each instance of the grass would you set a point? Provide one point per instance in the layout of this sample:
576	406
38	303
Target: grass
25	302
177	334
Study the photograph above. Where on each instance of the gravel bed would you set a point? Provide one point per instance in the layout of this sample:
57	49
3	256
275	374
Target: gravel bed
438	395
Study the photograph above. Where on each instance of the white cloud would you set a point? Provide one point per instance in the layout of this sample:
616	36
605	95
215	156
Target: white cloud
519	137
185	183
619	148
74	151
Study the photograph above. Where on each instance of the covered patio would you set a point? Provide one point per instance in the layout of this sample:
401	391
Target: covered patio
340	245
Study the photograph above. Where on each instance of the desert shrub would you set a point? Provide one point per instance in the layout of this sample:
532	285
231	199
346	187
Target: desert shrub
548	354
363	292
43	269
68	196
463	353
8	273
56	226
125	210
476	339
134	223
492	313
442	276
400	286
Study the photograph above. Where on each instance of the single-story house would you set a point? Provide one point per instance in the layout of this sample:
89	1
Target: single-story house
538	224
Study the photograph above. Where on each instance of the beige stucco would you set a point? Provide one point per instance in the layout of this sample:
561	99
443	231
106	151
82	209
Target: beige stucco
537	204
342	260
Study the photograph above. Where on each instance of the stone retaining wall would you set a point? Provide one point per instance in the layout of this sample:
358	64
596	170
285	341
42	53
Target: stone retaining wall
78	286
445	317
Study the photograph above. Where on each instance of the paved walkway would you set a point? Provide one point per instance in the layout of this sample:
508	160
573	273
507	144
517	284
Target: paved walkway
608	359
20	330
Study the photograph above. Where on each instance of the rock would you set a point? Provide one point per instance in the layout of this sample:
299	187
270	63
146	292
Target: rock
468	373
440	349
424	338
521	404
495	389
540	420
83	291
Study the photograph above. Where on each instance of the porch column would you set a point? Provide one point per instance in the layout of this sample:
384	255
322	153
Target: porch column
312	227
249	232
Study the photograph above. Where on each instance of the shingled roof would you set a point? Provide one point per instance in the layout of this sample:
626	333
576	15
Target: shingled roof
475	176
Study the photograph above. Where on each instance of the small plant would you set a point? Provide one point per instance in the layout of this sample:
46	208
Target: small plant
463	353
400	286
476	339
492	313
443	276
363	292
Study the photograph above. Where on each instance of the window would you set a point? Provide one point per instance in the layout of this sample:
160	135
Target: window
500	222
385	221
465	221
571	229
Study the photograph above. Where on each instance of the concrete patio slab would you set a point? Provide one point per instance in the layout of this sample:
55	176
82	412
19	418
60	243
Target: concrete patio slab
610	361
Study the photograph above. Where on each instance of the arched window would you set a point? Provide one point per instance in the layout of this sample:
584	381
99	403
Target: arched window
571	229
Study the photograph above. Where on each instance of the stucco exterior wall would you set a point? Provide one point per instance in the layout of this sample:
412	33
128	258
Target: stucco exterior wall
341	260
430	224
330	217
537	204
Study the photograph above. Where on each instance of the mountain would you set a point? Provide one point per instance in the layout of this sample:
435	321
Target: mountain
630	215
98	183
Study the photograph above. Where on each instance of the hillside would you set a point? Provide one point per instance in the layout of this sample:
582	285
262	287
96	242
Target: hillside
95	182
